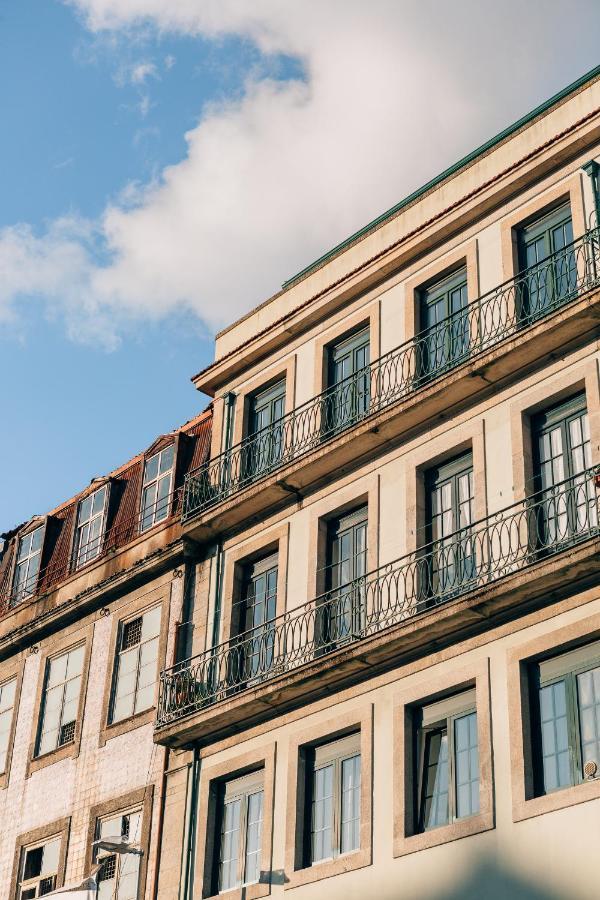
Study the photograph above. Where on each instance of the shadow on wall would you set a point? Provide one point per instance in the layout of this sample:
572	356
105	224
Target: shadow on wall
488	881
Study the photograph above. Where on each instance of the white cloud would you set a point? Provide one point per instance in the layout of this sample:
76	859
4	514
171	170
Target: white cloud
169	61
142	71
393	92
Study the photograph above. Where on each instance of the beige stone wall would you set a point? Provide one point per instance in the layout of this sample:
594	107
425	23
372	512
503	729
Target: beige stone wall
556	851
104	768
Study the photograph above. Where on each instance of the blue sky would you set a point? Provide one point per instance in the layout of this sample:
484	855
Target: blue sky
162	171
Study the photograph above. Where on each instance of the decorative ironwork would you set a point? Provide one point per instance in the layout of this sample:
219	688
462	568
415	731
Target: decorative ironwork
503	543
502	313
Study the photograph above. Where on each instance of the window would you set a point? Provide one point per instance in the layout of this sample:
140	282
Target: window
565	500
265	444
38	869
343	612
91	517
448	761
60	700
27	569
449	561
8	692
137	659
444	337
547	260
157	487
255	614
332	815
567	719
118	877
347	399
239	828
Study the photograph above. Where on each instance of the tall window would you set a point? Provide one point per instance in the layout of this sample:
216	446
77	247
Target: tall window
255	614
448	761
343	612
565	500
265	446
239	824
349	379
7	703
27	569
137	660
449	560
567	723
60	700
547	259
38	869
444	337
157	487
332	824
91	519
118	878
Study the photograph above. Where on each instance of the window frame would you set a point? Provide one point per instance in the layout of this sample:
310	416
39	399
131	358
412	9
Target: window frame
441	686
583	659
452	709
76	562
360	719
28	593
430	294
248	785
170	473
59	829
329	753
118	650
81	645
5	680
211	777
96	858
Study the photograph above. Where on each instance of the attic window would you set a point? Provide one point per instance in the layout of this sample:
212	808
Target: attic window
157	487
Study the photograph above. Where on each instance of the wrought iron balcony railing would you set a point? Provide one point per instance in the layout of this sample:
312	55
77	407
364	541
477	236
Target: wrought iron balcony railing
502	544
503	312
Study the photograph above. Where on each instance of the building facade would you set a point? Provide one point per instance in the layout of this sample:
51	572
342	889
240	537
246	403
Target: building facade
394	684
368	576
93	605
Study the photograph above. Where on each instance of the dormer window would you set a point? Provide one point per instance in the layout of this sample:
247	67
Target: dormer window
91	518
157	487
28	564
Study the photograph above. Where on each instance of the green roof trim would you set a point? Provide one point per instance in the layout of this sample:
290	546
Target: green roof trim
452	170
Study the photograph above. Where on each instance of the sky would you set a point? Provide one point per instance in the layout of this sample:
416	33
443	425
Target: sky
164	167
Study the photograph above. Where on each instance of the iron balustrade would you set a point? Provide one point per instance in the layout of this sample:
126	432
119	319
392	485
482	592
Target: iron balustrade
502	313
492	548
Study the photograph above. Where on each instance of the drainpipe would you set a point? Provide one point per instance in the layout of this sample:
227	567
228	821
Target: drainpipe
189	851
229	399
592	168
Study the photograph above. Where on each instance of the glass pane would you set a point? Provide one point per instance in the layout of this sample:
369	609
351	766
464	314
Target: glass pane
466	765
75	662
434	802
151	623
151	470
555	739
322	814
7	695
57	670
230	840
350	813
98	502
588	688
253	837
166	459
50	857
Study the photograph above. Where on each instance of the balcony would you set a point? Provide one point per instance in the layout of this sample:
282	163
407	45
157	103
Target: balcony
520	556
504	331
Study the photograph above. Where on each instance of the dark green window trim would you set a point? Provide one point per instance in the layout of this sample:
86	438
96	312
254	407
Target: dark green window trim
444	337
547	283
566	719
343	613
349	381
265	445
447	748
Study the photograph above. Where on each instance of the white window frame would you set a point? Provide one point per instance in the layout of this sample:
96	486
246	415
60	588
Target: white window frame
27	590
231	791
4	710
120	858
332	753
120	651
83	553
27	885
149	519
63	703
